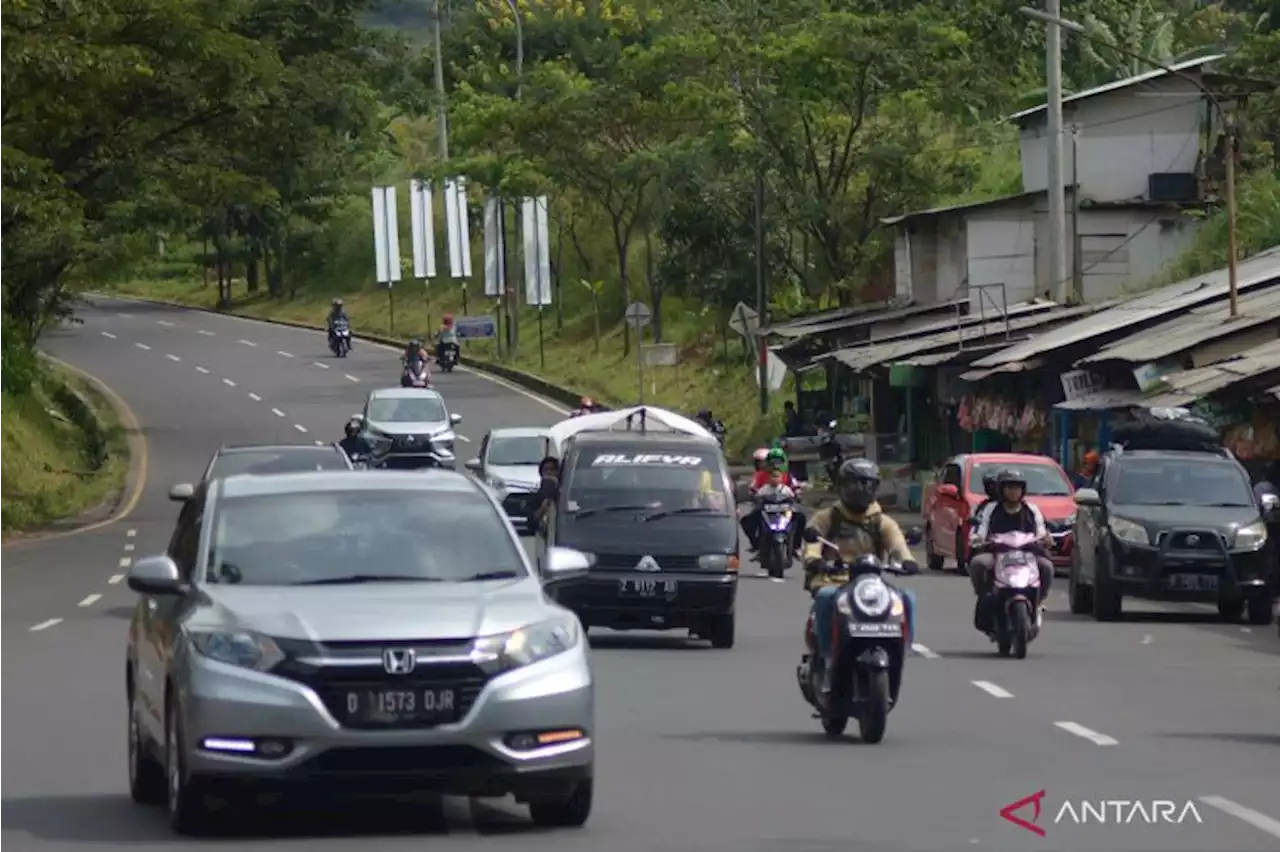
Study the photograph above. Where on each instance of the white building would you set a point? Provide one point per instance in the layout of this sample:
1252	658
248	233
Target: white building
1137	156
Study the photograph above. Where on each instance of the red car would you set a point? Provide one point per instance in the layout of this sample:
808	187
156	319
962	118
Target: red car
949	506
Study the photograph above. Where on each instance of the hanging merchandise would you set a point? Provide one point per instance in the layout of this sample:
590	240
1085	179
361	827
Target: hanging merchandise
964	414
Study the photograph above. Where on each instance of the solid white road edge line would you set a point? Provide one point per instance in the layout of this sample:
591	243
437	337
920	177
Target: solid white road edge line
925	651
991	689
1257	819
45	625
90	600
1087	733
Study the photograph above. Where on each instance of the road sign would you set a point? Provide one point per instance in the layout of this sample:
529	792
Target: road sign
661	354
638	315
470	328
744	320
424	238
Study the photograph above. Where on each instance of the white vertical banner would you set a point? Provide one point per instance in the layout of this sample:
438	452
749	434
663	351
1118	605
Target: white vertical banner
537	251
424	238
464	232
493	260
386	235
456	221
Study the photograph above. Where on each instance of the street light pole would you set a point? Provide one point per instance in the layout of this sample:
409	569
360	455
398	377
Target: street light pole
1228	127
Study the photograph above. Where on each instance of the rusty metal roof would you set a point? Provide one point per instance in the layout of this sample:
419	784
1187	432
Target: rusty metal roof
800	329
1126	83
1164	301
1189	385
1209	322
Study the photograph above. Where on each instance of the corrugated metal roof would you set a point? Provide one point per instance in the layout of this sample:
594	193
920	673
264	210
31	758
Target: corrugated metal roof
826	316
859	358
1102	401
866	318
1202	324
955	208
1257	270
1189	385
934	359
1121	84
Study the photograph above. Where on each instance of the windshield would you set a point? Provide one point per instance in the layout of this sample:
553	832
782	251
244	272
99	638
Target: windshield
317	536
668	481
524	450
292	461
1043	480
1181	482
415	409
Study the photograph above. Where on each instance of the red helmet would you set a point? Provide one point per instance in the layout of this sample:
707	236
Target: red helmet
447	319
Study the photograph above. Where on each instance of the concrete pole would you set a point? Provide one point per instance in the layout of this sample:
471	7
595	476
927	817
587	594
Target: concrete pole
1060	285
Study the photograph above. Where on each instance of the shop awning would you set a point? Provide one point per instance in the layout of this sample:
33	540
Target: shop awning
1015	367
1103	401
1189	385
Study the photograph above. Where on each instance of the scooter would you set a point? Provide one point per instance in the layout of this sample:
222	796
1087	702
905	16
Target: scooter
829	449
448	357
871	643
776	517
1009	614
415	375
340	338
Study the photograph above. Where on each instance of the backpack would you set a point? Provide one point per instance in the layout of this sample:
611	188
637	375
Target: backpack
871	526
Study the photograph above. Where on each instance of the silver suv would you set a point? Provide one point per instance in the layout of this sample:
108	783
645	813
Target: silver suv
361	631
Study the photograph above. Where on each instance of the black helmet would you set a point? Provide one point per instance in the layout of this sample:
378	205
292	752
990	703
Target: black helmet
866	564
1010	476
704	415
353	427
990	486
858	481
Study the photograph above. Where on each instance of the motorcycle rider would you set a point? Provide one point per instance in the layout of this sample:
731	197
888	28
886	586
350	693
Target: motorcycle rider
336	313
857	526
708	422
1011	513
446	336
773	482
586	405
991	489
354	443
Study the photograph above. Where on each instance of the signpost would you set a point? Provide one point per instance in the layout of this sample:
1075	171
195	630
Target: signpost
476	328
386	244
537	260
638	316
424	238
660	355
495	255
459	232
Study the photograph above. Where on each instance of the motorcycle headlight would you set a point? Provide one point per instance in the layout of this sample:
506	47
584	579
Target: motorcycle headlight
528	645
870	595
1251	537
241	648
1130	532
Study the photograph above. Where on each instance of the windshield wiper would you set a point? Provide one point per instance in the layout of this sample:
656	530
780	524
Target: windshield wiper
488	575
369	578
583	513
1227	505
688	510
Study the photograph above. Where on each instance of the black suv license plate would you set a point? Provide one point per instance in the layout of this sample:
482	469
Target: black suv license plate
646	587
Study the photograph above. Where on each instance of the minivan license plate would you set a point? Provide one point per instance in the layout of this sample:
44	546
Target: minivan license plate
431	706
1193	582
646	587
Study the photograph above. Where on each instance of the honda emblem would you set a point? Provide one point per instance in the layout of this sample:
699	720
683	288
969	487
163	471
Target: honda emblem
399	661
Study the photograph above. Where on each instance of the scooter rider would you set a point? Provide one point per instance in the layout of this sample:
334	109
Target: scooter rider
858	527
336	313
992	490
446	336
1011	513
354	443
774	481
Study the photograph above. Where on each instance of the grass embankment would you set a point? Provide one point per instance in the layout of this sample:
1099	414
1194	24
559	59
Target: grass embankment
63	451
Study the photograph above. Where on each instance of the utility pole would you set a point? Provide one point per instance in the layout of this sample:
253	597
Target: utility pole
1058	282
762	296
513	298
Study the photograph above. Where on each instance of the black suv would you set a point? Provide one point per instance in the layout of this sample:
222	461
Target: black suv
1172	525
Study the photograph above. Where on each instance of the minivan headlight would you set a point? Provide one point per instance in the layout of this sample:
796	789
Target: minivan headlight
1251	537
1130	532
528	645
242	648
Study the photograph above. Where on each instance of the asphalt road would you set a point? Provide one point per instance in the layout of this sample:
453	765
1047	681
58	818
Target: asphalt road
699	750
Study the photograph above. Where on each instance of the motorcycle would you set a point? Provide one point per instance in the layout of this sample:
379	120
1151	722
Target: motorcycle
1008	614
340	338
872	641
448	357
415	375
829	449
777	535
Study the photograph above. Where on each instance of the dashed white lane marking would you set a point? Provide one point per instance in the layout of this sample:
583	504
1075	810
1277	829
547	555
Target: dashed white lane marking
126	316
1257	819
228	383
128	548
1246	629
1087	733
285	354
115	579
321	366
172	357
350	377
142	346
1146	640
277	412
45	625
247	342
991	689
165	323
925	651
253	396
463	438
130	533
202	370
107	334
300	428
205	332
319	443
90	600
125	562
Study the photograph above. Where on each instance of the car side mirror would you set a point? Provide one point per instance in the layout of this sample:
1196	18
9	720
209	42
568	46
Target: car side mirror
473	465
563	563
455	419
949	491
182	492
1088	497
156	575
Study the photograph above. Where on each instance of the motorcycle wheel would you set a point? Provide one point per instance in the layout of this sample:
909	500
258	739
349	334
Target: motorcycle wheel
1020	630
773	559
875	711
833	726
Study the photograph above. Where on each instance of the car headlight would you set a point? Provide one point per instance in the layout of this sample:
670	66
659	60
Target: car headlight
718	562
870	595
528	645
1251	537
1130	532
241	648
